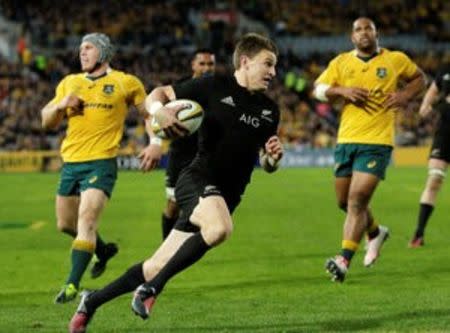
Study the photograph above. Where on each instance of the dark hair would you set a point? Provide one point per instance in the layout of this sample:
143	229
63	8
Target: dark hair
250	45
202	50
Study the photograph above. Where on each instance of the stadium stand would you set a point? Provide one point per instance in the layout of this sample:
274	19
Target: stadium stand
154	42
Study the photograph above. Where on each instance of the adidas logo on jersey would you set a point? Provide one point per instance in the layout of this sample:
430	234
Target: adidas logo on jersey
229	101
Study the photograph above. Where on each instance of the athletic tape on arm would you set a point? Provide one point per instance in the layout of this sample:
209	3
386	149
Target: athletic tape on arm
320	92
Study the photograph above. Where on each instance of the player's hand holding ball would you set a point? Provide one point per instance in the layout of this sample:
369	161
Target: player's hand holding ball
177	119
166	118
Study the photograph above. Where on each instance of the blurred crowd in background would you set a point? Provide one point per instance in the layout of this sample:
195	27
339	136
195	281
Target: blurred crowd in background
156	39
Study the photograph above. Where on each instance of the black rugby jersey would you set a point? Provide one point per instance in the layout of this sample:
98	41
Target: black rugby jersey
236	124
442	81
184	148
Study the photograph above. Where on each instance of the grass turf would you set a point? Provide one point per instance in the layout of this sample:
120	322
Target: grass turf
269	277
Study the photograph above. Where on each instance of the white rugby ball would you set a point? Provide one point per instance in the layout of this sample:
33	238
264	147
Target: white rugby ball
191	117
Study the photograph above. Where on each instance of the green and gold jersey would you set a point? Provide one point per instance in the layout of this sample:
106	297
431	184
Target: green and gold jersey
95	132
370	123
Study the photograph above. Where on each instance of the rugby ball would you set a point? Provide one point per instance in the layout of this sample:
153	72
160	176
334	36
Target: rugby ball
191	117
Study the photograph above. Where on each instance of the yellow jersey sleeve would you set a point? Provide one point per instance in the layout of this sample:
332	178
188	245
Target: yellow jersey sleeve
61	90
404	66
136	91
330	75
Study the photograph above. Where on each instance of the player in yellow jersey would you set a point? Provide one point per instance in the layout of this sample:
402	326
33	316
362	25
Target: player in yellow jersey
366	79
95	104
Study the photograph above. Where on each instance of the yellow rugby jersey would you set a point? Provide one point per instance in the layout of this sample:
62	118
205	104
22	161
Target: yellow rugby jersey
370	123
95	132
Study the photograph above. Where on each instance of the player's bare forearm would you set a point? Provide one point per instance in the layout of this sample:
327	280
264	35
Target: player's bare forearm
162	94
334	92
148	127
352	94
415	86
52	115
429	99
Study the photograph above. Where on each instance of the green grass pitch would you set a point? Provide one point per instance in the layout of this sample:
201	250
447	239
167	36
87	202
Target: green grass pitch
269	277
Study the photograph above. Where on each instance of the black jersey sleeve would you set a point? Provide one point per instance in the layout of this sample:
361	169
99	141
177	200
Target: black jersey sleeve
194	89
274	128
438	79
442	79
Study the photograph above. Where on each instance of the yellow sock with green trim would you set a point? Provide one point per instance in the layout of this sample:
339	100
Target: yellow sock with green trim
348	249
82	252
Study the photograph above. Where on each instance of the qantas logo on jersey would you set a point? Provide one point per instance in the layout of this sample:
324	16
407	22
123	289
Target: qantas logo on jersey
98	106
229	101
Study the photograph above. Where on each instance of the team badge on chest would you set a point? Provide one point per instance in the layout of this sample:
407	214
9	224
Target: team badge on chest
108	89
381	72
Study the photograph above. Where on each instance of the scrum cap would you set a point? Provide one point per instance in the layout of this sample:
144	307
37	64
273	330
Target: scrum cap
102	43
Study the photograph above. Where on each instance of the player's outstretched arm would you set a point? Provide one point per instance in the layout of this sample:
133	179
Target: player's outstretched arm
271	155
150	155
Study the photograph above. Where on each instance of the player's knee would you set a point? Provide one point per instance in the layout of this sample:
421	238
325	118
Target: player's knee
211	215
65	227
435	184
358	202
87	223
216	233
436	177
88	216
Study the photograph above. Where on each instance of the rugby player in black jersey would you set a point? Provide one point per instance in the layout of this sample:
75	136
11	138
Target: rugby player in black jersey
240	122
182	150
439	95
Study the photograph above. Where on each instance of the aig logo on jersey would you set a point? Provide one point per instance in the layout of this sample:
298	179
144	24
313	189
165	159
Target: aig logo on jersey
250	120
381	72
108	89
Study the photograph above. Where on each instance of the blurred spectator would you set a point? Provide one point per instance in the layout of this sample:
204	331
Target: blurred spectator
157	38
